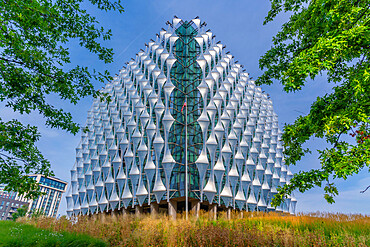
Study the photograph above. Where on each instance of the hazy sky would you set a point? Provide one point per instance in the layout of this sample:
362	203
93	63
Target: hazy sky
238	25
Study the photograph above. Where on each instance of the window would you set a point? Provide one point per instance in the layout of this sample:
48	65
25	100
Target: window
52	183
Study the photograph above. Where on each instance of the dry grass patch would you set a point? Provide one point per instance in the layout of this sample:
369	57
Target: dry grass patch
249	229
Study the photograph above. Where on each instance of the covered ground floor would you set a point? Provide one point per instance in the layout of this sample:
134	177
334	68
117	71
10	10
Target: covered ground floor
176	207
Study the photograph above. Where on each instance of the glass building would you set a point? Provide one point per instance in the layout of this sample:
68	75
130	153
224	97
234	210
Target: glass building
47	204
133	156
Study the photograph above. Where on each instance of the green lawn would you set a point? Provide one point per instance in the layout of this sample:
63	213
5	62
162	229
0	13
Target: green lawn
13	234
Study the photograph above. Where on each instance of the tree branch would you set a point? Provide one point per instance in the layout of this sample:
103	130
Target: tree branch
14	158
23	64
365	189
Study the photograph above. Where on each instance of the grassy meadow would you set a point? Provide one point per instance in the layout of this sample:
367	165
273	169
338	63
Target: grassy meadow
249	229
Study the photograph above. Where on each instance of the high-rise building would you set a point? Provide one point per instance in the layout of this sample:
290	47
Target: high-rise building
182	108
47	204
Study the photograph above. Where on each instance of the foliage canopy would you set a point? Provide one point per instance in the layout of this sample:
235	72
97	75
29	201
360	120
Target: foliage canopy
33	57
21	212
332	38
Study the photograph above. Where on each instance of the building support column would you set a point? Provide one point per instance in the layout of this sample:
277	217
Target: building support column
154	209
103	216
114	215
138	210
195	208
229	213
124	211
213	211
172	209
123	214
93	217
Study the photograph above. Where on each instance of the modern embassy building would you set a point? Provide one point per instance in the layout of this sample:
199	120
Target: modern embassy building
146	149
47	204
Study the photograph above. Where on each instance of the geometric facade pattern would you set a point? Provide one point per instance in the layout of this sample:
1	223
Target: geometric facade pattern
134	150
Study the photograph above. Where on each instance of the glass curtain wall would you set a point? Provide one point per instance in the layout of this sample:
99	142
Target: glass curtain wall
186	75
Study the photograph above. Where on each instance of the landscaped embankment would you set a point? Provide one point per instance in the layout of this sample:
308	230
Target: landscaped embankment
253	229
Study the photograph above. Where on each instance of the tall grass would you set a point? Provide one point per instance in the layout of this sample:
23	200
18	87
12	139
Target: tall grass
14	234
249	229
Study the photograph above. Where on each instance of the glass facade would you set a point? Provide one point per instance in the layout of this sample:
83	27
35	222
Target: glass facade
52	183
48	203
186	75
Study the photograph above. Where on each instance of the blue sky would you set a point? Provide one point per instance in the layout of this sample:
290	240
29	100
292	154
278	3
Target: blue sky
238	25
